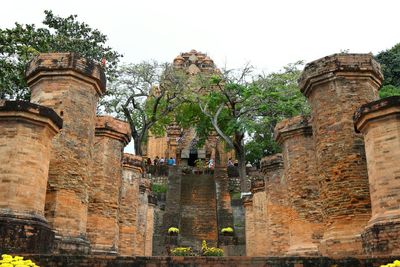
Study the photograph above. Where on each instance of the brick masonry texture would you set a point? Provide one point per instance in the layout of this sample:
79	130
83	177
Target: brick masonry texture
335	86
128	206
26	132
379	121
115	261
112	136
71	86
305	221
267	211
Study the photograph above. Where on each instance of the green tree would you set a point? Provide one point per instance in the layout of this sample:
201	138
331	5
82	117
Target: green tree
19	44
145	94
390	63
283	99
239	106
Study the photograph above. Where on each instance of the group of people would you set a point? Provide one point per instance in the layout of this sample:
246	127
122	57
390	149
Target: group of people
161	161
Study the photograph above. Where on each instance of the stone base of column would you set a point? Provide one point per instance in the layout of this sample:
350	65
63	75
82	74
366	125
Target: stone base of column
25	234
71	245
382	238
343	238
305	237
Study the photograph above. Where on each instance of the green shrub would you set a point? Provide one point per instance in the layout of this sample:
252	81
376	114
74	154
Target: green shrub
159	188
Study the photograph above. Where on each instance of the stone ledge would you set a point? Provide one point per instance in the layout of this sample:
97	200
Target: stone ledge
257	185
15	107
233	261
328	67
376	109
113	128
272	162
133	162
50	64
291	127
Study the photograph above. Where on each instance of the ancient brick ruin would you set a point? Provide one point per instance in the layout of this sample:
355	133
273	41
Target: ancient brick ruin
331	198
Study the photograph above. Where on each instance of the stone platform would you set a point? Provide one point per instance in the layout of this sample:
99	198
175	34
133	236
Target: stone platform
115	261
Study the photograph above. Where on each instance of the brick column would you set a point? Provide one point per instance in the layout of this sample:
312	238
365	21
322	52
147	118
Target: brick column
173	133
335	86
151	202
26	132
261	237
71	86
128	206
249	224
112	136
379	122
305	225
277	207
141	223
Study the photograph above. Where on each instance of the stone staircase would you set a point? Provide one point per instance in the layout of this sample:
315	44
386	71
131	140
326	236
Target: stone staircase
198	211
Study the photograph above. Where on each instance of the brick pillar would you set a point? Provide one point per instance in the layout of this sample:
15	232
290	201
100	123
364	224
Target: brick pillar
277	207
261	238
305	225
335	86
152	202
71	85
128	206
173	134
112	136
26	132
249	224
141	223
379	122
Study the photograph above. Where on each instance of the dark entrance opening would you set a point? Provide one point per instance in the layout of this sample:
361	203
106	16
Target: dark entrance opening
193	156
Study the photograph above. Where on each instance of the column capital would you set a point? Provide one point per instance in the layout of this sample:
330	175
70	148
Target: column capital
66	64
339	65
295	126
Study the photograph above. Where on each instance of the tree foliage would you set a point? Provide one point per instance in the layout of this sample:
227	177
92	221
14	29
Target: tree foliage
19	44
145	94
390	63
282	99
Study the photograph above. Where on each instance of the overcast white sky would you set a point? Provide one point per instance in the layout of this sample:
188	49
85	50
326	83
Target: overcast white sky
267	33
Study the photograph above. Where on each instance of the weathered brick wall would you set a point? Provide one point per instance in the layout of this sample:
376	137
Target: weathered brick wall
305	224
148	249
277	209
249	224
223	198
71	86
198	211
112	136
335	86
261	236
128	206
115	261
379	122
142	217
26	133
